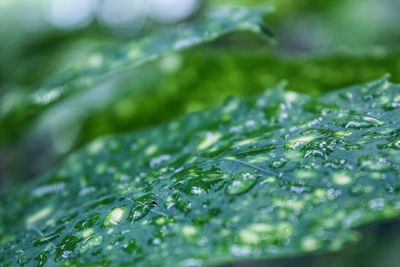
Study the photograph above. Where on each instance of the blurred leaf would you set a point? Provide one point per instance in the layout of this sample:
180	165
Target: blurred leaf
314	25
274	175
215	23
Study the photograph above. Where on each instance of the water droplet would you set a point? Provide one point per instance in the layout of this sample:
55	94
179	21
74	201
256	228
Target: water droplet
41	258
189	231
240	251
114	217
346	95
158	160
139	212
96	146
279	163
87	232
310	243
150	150
131	247
357	189
372	163
48	238
377	204
91	241
320	147
48	189
210	139
391	106
341	178
249	237
367	97
299	189
342	134
393	143
241	183
197	190
336	164
359	121
294	143
89	222
67	246
391	189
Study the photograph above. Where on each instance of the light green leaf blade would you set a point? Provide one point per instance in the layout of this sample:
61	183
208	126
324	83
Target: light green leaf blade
275	175
210	26
85	74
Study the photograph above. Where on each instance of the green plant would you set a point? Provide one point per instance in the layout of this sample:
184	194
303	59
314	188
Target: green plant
277	174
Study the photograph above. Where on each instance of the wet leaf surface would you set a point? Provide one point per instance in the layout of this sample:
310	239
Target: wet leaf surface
274	175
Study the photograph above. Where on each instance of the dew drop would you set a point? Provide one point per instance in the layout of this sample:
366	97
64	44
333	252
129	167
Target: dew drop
393	143
341	178
138	212
67	246
359	121
87	222
210	139
131	247
241	184
48	238
299	189
371	163
310	243
249	237
189	231
391	189
197	190
279	163
294	143
391	106
41	259
114	217
377	204
91	241
356	189
158	160
336	164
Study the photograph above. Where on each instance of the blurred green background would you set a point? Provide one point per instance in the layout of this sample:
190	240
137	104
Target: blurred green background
320	46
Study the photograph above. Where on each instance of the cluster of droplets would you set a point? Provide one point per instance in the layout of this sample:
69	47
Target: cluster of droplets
280	173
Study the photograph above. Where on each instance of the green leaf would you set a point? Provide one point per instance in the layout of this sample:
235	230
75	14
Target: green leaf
168	87
97	67
212	25
274	175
